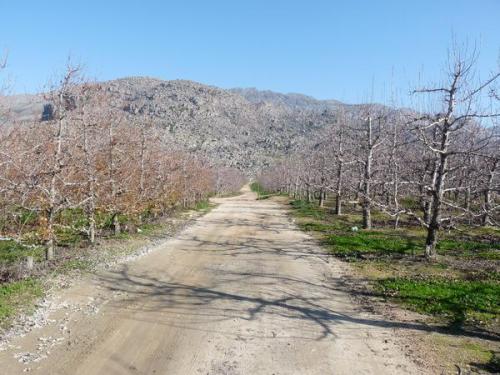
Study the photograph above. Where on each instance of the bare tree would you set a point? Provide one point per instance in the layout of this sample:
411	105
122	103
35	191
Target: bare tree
436	167
62	97
339	153
460	98
373	137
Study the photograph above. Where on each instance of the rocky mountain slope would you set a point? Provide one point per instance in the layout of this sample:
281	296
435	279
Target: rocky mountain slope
244	128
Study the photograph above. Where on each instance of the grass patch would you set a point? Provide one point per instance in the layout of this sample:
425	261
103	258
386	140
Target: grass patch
357	244
397	242
17	296
204	206
458	300
307	209
12	252
469	249
385	242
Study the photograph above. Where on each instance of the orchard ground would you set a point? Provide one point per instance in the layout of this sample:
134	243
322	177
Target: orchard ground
457	295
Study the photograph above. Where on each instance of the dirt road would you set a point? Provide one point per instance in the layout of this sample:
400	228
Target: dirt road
242	291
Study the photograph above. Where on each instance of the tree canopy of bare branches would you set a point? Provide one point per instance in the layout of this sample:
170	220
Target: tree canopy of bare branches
87	170
437	167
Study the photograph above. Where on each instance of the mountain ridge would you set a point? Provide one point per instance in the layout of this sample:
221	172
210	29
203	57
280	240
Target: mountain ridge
240	127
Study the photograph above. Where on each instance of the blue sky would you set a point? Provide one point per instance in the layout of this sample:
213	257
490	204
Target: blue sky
327	49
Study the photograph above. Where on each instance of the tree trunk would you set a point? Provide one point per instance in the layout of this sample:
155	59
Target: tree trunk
57	168
29	263
428	202
338	192
367	216
358	190
322	192
486	218
116	224
396	221
431	240
91	177
49	251
427	212
437	198
321	198
467	203
308	192
92	229
143	153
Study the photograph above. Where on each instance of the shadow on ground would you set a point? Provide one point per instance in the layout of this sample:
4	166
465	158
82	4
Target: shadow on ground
279	296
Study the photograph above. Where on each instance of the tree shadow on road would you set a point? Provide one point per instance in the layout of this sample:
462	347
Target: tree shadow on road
288	299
